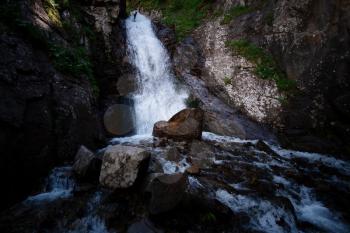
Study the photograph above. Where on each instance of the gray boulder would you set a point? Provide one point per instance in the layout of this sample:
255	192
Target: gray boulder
86	164
121	165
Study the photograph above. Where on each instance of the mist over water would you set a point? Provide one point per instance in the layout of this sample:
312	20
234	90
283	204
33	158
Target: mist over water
157	97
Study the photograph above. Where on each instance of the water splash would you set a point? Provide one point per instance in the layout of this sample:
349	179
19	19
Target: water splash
59	184
157	97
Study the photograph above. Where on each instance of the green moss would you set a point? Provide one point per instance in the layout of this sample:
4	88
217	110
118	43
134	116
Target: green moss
227	81
74	62
51	8
208	218
236	12
266	67
192	102
183	15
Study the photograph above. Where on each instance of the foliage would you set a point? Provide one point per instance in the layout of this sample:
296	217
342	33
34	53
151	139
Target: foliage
192	102
51	8
73	61
183	15
266	67
236	12
208	217
227	81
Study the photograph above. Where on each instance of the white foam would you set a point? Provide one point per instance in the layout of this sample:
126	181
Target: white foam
281	180
59	185
157	97
310	210
135	139
329	161
264	216
208	136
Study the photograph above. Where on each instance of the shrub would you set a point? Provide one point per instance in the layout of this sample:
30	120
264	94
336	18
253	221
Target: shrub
192	102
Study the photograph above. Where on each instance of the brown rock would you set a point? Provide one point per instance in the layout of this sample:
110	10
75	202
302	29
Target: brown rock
185	125
193	170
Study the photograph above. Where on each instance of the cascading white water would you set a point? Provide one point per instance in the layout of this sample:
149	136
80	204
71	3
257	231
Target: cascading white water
157	97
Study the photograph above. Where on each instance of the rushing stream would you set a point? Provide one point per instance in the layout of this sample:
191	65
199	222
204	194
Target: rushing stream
157	97
271	190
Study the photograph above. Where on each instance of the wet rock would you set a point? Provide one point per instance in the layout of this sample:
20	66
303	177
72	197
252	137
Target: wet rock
167	192
202	154
193	170
167	36
144	226
118	119
261	145
86	164
121	165
185	125
173	154
222	119
155	164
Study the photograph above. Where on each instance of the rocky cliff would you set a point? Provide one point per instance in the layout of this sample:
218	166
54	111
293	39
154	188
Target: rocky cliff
51	84
280	63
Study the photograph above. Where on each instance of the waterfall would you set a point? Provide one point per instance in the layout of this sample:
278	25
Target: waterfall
157	98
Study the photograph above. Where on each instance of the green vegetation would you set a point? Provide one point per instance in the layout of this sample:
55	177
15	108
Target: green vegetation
192	102
266	67
183	15
269	18
227	81
51	8
236	12
73	61
208	218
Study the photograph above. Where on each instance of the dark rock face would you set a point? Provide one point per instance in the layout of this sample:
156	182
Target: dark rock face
86	165
219	117
312	50
167	192
184	125
44	116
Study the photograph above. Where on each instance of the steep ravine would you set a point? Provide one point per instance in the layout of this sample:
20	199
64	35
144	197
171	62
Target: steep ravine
83	84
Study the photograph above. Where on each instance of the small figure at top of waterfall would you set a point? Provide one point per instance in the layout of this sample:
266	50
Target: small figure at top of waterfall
135	13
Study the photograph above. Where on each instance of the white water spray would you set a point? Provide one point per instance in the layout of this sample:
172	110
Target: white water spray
157	97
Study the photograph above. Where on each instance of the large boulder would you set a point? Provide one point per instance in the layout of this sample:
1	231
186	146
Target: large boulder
86	164
167	192
118	119
121	165
184	125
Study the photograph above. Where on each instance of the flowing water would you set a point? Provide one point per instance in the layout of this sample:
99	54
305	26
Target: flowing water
157	98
